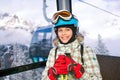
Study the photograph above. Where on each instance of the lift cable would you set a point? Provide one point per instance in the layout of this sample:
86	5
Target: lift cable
99	8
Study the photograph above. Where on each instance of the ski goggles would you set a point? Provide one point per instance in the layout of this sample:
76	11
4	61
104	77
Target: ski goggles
62	14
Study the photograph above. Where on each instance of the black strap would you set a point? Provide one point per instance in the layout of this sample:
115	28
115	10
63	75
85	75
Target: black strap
81	51
56	52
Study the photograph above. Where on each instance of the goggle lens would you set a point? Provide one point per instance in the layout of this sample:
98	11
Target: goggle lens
63	14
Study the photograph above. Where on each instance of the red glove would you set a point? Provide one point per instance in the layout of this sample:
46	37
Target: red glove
74	67
60	65
58	68
52	74
77	70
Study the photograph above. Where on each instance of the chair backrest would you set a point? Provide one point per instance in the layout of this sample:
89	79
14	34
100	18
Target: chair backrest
110	67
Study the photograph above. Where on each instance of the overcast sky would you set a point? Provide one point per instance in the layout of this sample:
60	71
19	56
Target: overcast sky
88	16
32	9
92	21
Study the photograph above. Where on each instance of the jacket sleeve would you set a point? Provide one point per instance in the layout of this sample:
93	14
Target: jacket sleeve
49	63
92	68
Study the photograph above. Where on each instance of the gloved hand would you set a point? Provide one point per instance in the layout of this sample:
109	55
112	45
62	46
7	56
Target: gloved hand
58	68
52	74
74	67
60	65
77	70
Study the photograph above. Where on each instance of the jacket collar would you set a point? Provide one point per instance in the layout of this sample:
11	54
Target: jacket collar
79	39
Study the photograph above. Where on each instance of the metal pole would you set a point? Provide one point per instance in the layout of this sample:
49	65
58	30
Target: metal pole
64	4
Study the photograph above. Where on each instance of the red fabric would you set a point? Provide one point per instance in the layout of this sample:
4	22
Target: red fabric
64	65
51	74
74	67
60	65
77	71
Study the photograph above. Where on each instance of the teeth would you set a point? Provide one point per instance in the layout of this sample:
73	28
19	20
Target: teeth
64	37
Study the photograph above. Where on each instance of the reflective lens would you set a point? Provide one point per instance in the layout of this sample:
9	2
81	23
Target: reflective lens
63	14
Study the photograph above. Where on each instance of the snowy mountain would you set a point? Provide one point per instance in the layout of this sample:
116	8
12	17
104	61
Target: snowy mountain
14	29
8	21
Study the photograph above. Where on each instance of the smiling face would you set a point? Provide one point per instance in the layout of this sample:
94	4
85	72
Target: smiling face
65	34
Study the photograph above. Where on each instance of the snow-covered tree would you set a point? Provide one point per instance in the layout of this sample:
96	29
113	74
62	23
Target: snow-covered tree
101	48
20	59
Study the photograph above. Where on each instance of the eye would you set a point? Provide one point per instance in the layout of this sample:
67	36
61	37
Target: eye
59	30
68	29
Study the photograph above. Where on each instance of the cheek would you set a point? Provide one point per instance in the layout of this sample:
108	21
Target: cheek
70	33
59	34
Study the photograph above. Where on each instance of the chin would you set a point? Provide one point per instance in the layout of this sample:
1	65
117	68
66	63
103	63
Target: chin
65	42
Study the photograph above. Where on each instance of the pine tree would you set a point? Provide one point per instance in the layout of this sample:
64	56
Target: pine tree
20	59
101	48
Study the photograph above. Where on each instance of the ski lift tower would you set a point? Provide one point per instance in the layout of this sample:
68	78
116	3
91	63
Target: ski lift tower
64	4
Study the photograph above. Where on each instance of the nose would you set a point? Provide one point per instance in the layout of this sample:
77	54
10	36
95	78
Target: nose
64	32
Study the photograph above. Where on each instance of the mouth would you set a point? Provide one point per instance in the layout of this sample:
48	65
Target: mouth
64	38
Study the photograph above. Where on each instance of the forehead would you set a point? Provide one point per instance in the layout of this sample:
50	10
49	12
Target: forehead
64	27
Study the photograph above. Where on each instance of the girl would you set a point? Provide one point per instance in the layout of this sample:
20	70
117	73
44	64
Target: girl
82	58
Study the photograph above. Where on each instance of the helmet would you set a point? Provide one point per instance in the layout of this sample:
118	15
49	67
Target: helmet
64	17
